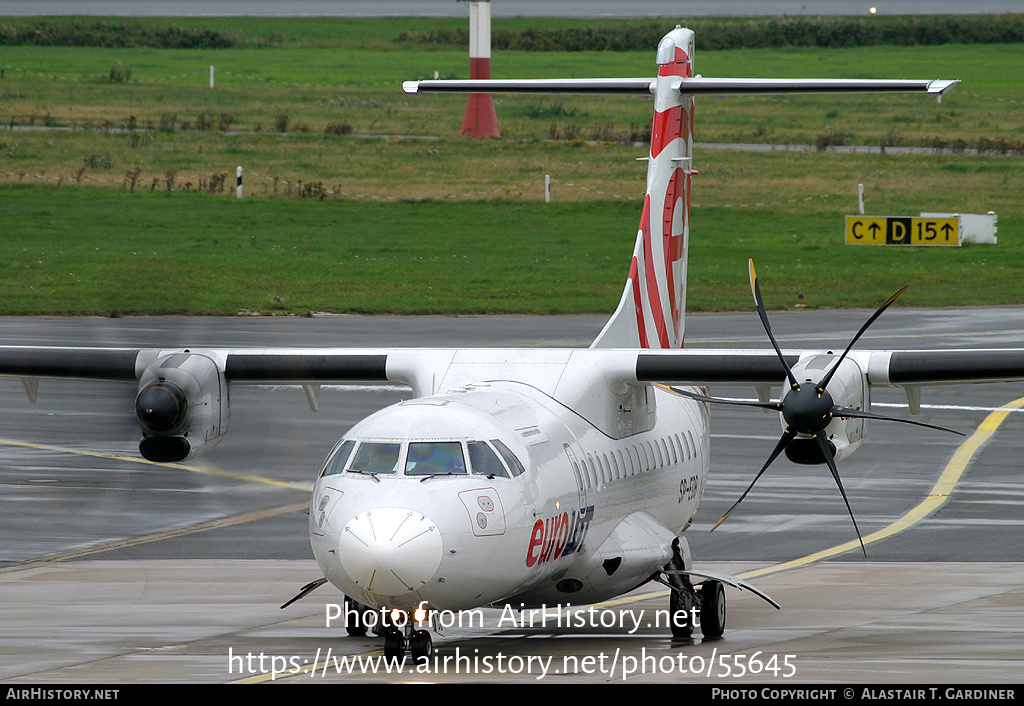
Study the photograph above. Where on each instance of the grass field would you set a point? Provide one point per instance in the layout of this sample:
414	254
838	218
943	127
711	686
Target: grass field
348	219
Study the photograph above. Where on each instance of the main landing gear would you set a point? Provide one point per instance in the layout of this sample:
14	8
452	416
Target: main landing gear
703	605
690	607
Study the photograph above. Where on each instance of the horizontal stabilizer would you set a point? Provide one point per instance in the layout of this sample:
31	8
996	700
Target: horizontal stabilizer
753	86
696	85
621	86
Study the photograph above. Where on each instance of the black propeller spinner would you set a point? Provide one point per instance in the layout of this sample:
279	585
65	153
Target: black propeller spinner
806	409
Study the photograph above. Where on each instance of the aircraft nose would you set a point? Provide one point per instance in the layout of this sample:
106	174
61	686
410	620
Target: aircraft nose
390	551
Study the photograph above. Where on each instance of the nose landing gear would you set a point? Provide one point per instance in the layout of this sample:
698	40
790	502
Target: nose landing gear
404	634
417	642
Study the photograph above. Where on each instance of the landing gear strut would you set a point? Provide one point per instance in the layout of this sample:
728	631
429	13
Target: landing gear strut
683	597
686	602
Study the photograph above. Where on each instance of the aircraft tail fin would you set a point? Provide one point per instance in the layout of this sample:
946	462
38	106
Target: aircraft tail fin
651	310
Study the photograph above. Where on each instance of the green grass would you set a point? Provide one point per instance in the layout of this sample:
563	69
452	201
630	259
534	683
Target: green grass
80	251
314	86
454	226
105	252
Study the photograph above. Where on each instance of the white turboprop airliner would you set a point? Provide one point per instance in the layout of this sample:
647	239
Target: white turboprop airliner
531	477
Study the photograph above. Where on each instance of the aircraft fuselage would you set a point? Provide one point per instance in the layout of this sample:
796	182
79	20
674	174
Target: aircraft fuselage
499	493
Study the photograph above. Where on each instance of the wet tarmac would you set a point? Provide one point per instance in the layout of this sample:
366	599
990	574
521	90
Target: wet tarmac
114	570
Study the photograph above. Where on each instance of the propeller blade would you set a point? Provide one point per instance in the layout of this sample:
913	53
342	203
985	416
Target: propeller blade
827	453
878	312
787	436
777	406
860	414
756	289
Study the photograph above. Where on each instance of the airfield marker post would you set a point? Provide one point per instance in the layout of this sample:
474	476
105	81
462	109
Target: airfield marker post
480	119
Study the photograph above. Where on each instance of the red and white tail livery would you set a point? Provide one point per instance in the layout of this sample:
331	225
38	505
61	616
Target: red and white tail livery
650	313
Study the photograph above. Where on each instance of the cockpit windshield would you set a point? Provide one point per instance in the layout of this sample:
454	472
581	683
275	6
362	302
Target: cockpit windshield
376	458
428	458
485	461
425	458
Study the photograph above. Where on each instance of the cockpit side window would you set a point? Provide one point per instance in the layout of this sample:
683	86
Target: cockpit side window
372	457
427	458
336	463
484	461
510	458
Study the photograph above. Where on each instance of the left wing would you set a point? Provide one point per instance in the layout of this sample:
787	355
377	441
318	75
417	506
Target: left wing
182	401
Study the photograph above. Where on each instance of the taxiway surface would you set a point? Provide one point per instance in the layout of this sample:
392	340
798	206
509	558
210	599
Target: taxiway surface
114	570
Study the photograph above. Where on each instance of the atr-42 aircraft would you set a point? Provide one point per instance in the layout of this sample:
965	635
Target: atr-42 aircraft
532	477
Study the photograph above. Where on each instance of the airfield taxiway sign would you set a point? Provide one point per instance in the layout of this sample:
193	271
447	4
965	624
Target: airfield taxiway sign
889	230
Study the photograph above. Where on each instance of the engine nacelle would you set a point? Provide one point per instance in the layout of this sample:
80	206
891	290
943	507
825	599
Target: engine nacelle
848	388
182	407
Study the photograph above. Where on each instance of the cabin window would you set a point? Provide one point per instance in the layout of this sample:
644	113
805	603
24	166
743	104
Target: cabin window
484	461
371	457
431	458
634	460
684	451
336	463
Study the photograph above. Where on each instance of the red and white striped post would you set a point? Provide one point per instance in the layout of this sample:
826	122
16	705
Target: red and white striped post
480	119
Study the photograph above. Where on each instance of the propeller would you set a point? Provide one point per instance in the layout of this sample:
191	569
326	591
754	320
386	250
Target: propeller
807	409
